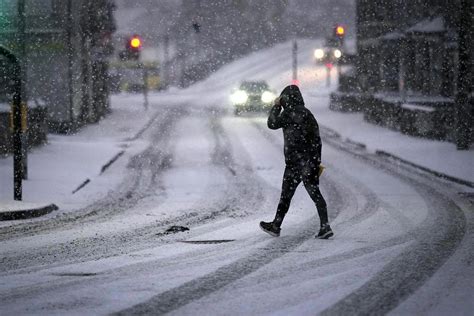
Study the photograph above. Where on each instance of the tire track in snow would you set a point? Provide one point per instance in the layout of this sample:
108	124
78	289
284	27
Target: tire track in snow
144	169
435	241
241	182
203	286
432	246
336	190
200	287
245	182
129	192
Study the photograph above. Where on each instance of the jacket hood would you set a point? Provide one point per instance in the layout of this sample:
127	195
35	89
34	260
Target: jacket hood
293	93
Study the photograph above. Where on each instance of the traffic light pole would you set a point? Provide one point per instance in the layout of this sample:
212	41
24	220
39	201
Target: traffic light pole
145	85
338	67
295	61
340	32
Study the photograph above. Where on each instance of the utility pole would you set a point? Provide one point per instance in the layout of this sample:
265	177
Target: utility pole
24	98
402	70
145	84
295	62
182	67
464	80
166	58
17	139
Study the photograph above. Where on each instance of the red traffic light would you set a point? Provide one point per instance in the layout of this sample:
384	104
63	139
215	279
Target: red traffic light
135	42
340	30
133	45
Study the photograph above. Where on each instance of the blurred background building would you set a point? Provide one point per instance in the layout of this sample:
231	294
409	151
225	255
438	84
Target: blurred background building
407	75
191	39
72	50
63	46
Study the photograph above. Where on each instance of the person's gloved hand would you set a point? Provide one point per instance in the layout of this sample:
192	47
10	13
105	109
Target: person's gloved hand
320	170
277	103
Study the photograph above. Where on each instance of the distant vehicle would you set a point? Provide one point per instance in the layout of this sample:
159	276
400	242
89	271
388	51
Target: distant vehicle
252	96
326	55
332	51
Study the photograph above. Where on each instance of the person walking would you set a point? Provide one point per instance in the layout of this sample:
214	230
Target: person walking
302	149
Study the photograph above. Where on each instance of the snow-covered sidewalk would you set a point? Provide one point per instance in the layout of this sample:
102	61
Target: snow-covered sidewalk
438	157
59	168
70	171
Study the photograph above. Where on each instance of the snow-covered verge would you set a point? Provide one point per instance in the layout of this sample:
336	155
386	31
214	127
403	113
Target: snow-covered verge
60	167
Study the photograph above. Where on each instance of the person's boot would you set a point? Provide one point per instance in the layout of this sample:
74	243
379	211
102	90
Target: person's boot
325	232
270	228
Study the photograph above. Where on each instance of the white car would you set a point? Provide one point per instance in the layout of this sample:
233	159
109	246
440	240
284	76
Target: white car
327	54
252	96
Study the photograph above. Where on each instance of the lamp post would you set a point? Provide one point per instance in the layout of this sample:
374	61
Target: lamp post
295	62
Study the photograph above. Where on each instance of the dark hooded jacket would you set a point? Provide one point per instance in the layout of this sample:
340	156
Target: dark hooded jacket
300	129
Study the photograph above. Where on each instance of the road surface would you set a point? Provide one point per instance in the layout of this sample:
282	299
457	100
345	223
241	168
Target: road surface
403	239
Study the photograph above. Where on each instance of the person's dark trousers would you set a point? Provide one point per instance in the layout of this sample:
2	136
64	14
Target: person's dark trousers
306	171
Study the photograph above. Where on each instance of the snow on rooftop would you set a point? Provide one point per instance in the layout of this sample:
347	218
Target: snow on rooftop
4	107
394	98
393	36
416	107
429	26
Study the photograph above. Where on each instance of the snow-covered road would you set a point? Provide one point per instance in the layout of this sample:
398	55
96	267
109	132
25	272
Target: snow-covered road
403	239
219	176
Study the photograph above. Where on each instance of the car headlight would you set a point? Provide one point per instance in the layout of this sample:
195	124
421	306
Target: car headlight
319	53
337	53
239	97
267	97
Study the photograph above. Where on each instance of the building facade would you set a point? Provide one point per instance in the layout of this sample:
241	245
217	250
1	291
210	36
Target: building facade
63	46
406	74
